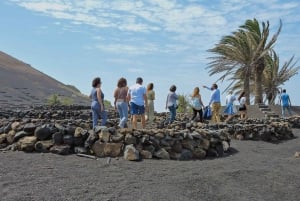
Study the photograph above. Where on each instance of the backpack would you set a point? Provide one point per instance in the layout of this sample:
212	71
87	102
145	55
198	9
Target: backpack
196	103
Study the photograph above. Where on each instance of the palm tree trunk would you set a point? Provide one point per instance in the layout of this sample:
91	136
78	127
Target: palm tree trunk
258	87
247	85
269	95
258	81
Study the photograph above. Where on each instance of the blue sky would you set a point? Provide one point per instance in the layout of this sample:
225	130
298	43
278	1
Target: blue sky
163	41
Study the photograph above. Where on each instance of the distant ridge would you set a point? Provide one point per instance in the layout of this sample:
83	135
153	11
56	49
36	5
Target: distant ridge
23	85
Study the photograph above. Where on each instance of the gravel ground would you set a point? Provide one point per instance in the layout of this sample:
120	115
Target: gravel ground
254	170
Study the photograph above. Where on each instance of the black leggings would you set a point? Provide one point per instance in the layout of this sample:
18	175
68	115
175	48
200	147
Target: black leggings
200	114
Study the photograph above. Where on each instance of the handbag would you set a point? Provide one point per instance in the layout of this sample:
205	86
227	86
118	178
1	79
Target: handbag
207	113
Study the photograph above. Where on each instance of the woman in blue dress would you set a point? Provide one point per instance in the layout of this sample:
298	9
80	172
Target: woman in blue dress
97	105
229	109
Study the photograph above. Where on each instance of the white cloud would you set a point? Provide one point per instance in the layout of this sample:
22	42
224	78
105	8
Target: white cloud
285	6
45	6
129	15
184	22
128	49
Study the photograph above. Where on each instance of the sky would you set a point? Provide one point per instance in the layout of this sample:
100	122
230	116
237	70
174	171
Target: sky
164	42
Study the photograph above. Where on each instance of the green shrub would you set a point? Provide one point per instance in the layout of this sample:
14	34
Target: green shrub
53	100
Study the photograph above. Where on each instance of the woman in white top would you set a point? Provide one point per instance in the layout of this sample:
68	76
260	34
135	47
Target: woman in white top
197	104
243	107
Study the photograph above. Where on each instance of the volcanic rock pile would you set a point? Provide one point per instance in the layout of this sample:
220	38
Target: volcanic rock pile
67	130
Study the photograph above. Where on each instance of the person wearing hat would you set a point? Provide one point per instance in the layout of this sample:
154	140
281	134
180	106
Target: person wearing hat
171	103
97	105
138	102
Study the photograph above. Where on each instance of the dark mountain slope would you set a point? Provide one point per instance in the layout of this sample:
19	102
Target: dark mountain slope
22	85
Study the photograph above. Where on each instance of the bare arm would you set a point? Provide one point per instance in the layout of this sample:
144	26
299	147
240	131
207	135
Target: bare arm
167	101
126	99
115	96
128	96
146	101
200	99
100	99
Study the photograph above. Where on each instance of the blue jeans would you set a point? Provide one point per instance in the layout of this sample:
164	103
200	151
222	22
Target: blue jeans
96	112
123	113
172	110
288	108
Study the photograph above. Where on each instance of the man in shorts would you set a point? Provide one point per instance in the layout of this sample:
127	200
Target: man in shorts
138	102
285	103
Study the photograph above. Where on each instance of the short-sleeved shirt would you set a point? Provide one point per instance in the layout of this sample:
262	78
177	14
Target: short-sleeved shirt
137	93
243	101
285	99
231	99
171	99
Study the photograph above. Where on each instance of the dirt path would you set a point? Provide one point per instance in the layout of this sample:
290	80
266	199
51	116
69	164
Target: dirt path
256	171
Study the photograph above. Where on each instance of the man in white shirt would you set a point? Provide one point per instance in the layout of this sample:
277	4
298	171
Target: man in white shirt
138	102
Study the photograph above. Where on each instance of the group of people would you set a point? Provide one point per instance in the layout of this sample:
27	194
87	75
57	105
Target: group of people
215	104
230	108
137	98
140	101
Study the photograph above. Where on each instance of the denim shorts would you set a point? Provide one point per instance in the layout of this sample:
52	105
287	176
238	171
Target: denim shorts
136	109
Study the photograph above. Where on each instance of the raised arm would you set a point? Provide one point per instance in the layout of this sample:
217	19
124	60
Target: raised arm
206	87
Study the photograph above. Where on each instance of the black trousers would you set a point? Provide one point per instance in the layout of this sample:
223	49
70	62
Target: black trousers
200	114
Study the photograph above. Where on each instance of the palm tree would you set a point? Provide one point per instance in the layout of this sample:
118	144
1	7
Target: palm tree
240	56
234	58
274	76
260	48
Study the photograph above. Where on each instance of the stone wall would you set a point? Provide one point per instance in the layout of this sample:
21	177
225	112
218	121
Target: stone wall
68	130
76	137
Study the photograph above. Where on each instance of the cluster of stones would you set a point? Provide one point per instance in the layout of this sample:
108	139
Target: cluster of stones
66	130
75	136
48	112
272	132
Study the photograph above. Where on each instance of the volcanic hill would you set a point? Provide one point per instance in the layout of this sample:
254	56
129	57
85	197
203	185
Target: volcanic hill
22	85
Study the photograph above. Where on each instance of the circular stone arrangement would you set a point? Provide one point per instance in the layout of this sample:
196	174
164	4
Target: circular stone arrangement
67	130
